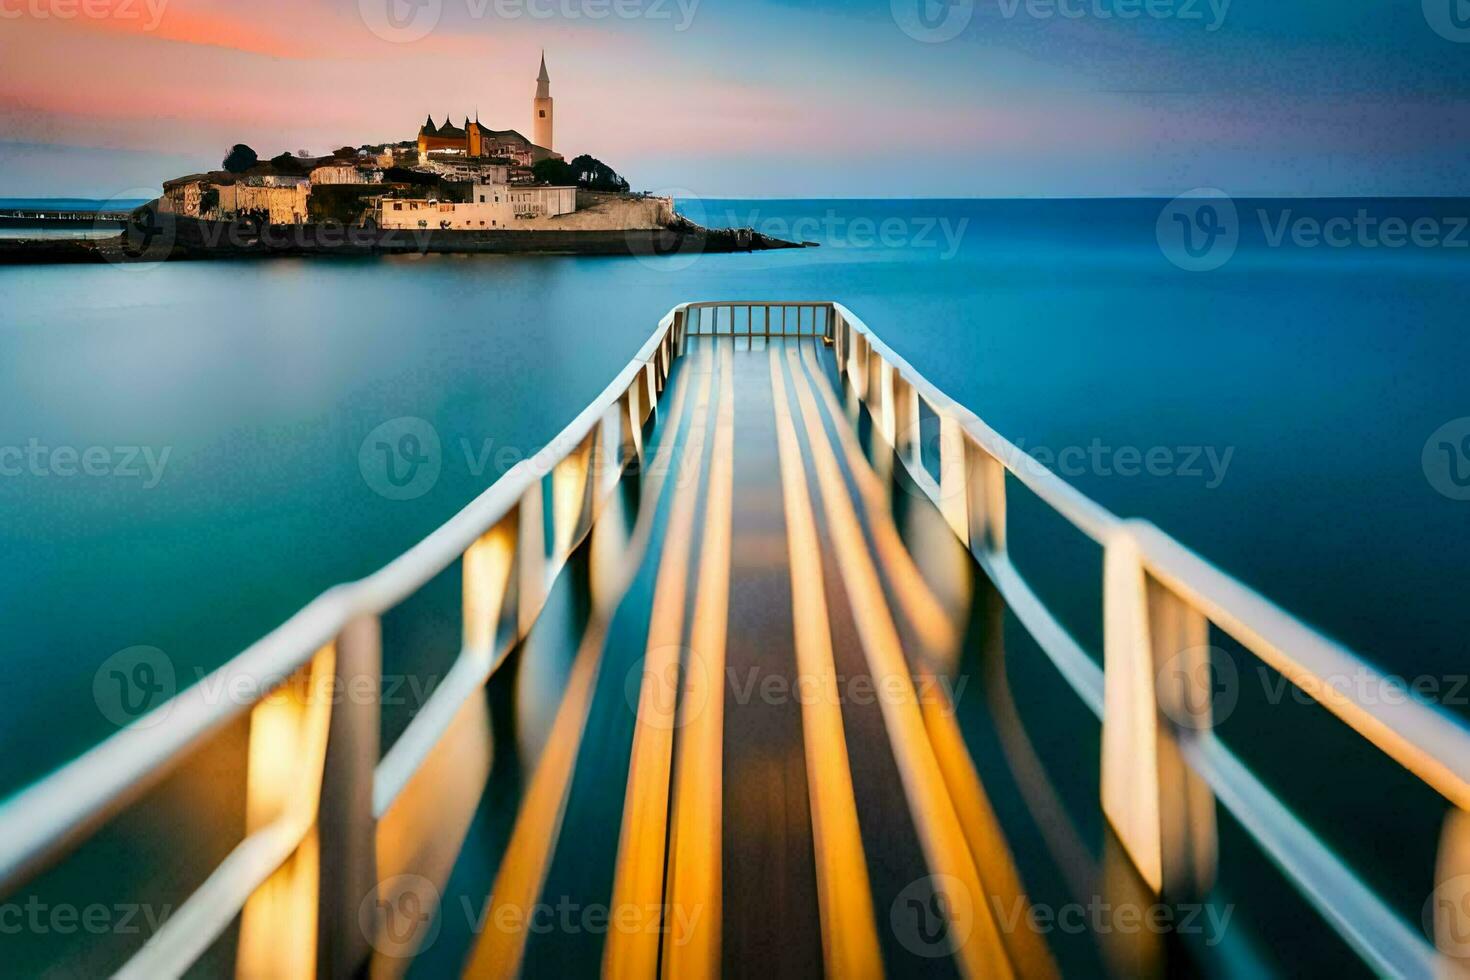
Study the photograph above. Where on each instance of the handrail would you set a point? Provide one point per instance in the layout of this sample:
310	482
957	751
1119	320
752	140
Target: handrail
1160	599
40	822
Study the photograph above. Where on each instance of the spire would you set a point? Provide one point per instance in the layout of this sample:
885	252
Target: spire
429	126
543	81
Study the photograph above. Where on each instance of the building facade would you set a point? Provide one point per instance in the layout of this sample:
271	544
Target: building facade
493	207
542	109
476	141
344	174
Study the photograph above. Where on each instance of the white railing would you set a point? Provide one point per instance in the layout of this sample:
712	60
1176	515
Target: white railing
1161	778
332	778
1163	768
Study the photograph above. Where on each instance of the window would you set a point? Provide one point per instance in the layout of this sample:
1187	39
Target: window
482	198
543	113
397	206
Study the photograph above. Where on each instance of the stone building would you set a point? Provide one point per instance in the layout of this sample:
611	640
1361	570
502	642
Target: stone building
286	204
344	173
474	140
493	207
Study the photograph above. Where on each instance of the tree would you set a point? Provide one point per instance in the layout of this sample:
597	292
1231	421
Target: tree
286	164
595	175
240	159
558	173
345	153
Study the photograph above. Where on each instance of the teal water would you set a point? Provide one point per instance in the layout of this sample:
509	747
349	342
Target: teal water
1292	391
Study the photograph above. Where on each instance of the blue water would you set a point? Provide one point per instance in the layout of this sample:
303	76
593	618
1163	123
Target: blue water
1314	375
69	203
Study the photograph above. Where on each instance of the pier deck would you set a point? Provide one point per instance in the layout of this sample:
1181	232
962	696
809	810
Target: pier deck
756	741
745	681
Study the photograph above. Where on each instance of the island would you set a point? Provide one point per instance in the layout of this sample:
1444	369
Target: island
452	189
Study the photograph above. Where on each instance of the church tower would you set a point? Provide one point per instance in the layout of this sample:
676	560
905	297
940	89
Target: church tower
541	116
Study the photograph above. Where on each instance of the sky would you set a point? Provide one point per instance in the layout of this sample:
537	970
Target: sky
763	98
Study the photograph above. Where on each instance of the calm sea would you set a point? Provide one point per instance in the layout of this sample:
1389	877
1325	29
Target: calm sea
1287	395
1283	414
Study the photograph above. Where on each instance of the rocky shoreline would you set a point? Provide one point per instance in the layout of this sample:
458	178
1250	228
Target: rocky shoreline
151	236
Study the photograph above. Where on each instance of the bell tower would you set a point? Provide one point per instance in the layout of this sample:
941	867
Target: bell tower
542	110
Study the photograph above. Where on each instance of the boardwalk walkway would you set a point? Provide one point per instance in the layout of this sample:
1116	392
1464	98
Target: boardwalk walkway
755	766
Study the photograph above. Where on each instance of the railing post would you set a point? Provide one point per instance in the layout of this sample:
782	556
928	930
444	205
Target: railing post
1451	895
632	431
346	827
650	402
984	499
872	372
954	465
488	568
1156	681
571	479
530	559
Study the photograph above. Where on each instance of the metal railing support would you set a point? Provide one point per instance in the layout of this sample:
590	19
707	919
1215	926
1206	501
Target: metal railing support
632	434
346	829
984	500
954	478
1156	682
1451	895
530	559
